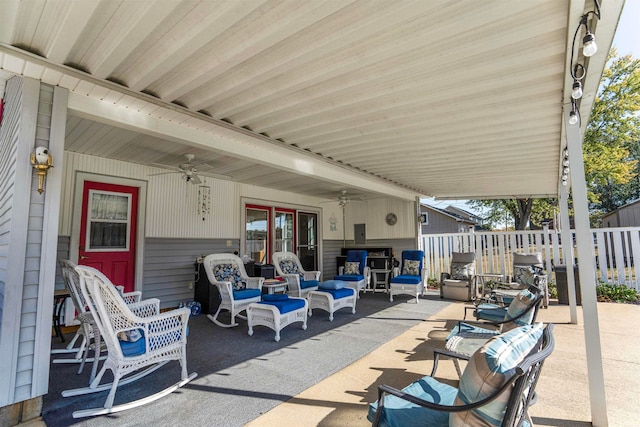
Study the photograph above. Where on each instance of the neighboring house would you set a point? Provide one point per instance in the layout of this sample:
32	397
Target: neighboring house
625	216
445	220
469	216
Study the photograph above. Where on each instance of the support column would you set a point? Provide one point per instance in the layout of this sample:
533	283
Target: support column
584	242
567	251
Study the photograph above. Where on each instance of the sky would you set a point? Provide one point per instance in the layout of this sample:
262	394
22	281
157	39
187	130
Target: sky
626	40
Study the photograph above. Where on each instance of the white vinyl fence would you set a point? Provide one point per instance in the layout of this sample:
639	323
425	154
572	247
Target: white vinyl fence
613	250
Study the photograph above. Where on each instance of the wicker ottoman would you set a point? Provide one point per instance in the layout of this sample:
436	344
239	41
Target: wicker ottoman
276	312
331	300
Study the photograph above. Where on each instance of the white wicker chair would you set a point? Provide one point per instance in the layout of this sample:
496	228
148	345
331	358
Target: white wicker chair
162	338
299	281
88	330
226	271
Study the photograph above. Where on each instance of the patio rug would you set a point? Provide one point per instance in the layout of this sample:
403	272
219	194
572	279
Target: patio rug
241	377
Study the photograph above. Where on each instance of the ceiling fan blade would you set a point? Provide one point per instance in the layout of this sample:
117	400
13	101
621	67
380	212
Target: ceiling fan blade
163	173
194	179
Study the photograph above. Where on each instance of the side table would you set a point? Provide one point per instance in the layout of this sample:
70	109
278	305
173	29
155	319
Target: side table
274	285
380	277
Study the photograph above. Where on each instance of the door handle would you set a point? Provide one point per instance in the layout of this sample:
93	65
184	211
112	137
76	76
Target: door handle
83	257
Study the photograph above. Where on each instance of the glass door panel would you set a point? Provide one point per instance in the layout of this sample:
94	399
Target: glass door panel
307	240
257	234
284	230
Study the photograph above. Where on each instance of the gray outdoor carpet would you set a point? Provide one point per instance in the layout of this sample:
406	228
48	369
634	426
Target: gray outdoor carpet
241	377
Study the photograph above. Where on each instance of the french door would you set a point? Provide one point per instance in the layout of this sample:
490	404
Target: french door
271	229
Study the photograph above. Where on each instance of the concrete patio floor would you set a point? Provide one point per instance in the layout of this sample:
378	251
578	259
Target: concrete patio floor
342	398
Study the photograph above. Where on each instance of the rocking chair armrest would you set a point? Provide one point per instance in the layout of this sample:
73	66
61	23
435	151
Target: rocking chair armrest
157	325
132	297
292	278
311	275
254	282
146	308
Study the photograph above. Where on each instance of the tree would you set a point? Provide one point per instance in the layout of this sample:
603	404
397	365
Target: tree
611	142
532	212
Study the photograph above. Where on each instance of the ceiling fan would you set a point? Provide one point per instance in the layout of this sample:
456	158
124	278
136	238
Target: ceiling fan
188	170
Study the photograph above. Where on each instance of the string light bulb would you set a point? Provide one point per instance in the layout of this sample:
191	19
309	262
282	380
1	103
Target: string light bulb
589	46
573	117
576	92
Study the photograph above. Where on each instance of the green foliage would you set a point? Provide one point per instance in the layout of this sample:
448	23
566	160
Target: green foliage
616	293
612	138
532	212
432	282
553	290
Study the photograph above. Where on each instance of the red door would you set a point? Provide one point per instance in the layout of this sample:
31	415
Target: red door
108	231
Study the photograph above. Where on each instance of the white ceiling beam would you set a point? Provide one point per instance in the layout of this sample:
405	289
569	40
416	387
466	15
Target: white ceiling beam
234	143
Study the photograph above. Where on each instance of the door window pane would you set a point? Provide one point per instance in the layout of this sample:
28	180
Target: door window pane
307	238
109	221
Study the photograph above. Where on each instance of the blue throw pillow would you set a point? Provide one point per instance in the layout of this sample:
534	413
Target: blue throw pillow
332	284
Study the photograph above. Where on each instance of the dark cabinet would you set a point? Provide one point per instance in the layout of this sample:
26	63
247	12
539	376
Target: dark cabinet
205	293
377	258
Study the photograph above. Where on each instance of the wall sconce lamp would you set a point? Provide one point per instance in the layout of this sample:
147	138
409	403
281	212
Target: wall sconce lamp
41	161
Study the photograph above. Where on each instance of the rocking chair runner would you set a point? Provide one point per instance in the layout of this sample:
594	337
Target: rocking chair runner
133	343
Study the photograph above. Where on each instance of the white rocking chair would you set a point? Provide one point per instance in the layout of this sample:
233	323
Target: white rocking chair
160	338
226	271
299	281
88	330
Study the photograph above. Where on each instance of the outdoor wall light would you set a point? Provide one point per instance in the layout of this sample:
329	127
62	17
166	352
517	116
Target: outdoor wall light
41	161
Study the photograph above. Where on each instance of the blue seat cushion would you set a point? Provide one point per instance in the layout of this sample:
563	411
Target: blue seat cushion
133	348
309	284
407	280
246	293
332	284
275	297
285	306
339	293
401	413
492	314
350	277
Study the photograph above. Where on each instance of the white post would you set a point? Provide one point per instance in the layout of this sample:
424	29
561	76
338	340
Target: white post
584	242
567	251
